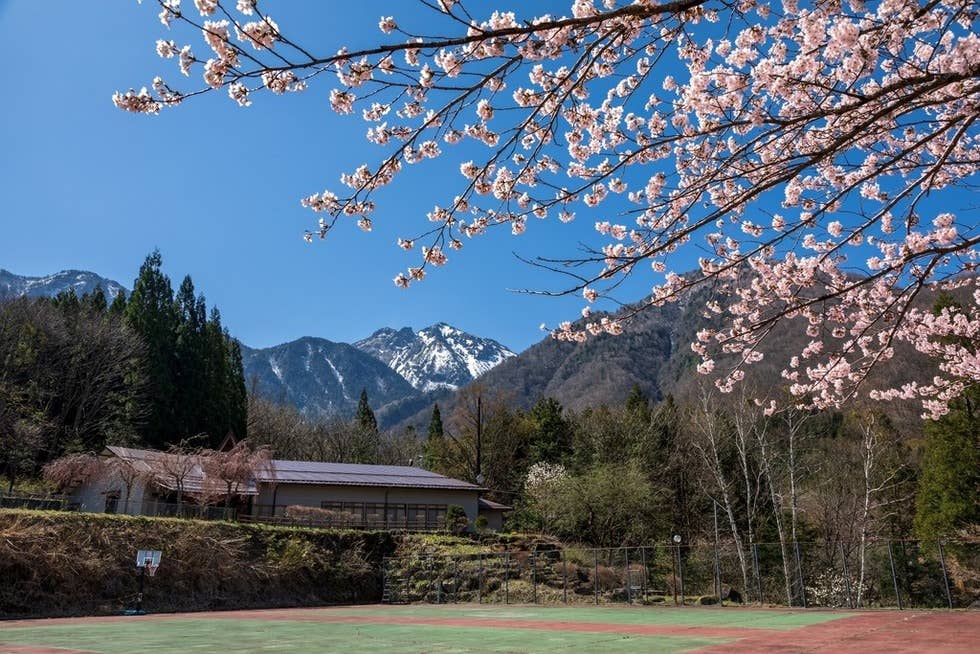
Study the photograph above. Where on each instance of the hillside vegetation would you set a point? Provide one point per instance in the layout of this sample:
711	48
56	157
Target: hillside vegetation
60	564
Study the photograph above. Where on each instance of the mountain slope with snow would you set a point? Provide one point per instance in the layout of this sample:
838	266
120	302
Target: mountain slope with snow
82	281
437	357
322	378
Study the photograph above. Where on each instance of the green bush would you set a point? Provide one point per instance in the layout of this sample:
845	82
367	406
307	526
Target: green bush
456	520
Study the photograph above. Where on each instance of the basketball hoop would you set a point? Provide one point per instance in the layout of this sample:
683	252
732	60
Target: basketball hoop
147	562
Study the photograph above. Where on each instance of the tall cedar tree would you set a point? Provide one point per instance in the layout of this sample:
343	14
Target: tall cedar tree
551	440
364	418
194	366
190	354
435	444
237	390
150	312
949	480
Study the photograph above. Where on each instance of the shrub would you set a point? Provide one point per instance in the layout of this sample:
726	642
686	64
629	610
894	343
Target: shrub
456	520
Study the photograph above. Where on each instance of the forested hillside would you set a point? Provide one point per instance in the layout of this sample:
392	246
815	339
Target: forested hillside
77	372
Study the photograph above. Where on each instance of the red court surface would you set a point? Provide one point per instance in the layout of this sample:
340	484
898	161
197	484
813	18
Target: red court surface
476	628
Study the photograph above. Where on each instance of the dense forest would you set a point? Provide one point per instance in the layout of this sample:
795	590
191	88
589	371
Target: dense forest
640	471
77	373
157	368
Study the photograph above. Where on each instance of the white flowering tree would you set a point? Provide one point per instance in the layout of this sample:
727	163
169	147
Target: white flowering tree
542	487
815	156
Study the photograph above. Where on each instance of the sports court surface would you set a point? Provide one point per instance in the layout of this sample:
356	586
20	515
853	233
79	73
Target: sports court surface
485	628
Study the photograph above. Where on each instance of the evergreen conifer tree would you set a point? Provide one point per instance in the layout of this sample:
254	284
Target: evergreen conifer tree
435	443
551	440
218	369
949	482
191	392
118	306
637	404
364	418
150	313
237	391
95	301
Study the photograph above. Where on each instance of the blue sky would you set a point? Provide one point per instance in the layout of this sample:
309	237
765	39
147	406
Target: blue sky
217	188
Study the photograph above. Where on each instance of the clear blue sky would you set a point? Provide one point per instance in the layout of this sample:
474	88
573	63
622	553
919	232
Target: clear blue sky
217	187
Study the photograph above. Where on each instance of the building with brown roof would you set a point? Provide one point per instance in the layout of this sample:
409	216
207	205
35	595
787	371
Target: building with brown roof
293	492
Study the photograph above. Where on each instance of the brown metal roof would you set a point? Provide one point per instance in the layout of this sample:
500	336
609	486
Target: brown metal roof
360	474
149	463
493	506
307	472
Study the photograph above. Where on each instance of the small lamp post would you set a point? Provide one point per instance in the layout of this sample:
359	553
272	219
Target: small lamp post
680	569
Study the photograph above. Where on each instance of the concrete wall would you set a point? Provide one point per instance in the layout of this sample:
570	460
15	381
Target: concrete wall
314	494
91	496
495	519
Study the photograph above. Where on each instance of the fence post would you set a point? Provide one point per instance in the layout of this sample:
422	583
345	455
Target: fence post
534	577
717	557
564	576
674	561
479	582
680	571
891	564
847	576
629	577
438	583
942	563
758	571
646	573
799	571
507	578
384	579
455	578
595	573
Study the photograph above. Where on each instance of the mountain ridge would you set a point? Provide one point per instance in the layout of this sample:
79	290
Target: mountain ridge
402	370
322	377
81	281
436	357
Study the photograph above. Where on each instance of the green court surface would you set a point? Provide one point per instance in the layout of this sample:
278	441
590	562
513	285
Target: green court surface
196	635
687	617
409	629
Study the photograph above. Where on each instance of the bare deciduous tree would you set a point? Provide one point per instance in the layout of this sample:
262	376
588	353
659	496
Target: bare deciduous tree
232	471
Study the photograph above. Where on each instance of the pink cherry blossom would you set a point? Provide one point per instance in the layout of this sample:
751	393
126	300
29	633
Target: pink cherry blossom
677	128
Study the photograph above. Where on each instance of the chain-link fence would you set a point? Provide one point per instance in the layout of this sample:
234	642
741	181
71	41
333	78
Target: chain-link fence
893	574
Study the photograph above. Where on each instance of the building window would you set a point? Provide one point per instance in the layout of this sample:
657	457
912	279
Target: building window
112	502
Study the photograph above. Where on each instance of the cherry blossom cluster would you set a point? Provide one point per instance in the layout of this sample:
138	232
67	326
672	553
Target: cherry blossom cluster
800	148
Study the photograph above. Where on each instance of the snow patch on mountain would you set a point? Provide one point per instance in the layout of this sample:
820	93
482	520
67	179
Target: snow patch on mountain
321	377
81	281
437	357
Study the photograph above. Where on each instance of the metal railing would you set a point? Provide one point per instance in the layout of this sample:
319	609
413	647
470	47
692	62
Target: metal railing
182	510
898	574
266	514
34	501
280	514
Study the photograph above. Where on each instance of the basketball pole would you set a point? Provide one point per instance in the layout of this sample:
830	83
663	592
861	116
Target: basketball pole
139	594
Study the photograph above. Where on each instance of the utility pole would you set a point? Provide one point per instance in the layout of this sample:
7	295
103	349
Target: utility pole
479	440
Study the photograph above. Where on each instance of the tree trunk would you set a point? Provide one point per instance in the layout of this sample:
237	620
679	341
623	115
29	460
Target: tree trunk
777	511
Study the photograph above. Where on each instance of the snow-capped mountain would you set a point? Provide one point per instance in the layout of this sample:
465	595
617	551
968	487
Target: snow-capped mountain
322	378
437	357
82	281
